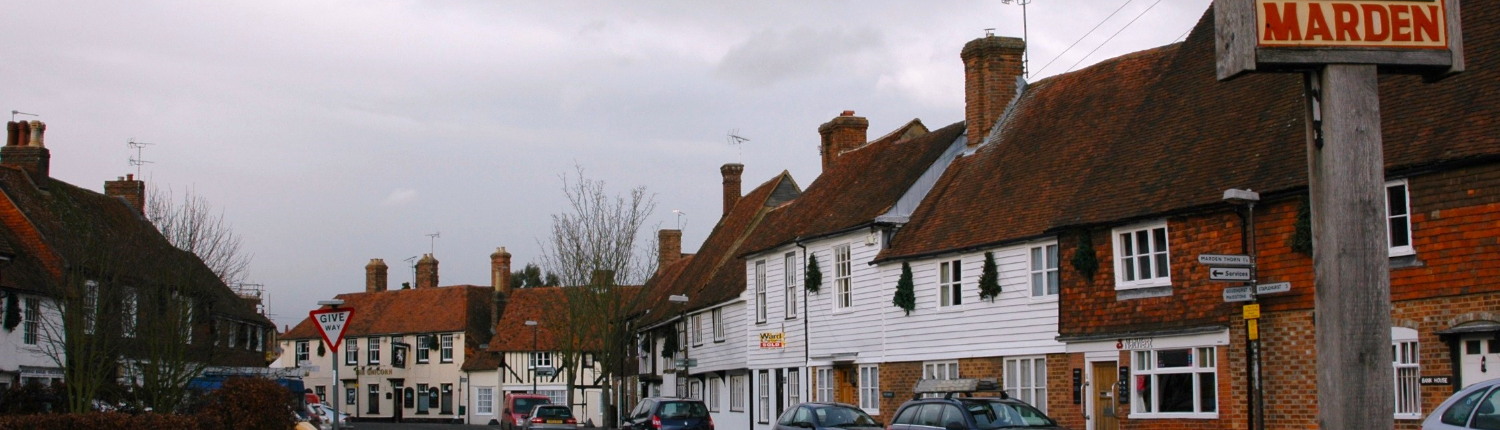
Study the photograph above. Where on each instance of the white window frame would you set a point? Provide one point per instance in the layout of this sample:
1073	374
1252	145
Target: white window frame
31	330
542	358
484	401
303	352
351	355
940	369
869	389
372	353
1405	217
951	283
1143	364
764	412
1043	262
424	345
843	285
1159	258
445	348
793	387
718	322
91	307
130	307
1406	366
736	393
695	390
698	329
1026	380
711	394
760	291
825	384
789	281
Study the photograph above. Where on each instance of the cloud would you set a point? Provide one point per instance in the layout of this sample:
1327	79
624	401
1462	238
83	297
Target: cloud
400	197
771	56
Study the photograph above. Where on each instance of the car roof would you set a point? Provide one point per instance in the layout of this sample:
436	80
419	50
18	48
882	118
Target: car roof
826	404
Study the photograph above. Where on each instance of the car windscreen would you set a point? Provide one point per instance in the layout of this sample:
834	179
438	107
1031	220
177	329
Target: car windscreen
843	416
990	414
553	412
680	410
524	404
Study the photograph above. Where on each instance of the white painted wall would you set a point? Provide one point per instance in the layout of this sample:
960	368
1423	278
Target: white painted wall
434	373
15	353
728	354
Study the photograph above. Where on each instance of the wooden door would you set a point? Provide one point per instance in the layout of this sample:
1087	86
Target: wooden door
1102	392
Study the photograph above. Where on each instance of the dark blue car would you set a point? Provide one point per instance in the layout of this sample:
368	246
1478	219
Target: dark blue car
821	416
661	413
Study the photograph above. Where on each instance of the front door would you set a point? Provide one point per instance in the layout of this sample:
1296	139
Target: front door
1102	394
1481	358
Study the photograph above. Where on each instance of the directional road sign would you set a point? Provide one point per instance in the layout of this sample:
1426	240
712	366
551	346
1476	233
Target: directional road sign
1279	287
1239	274
1224	260
331	323
1237	294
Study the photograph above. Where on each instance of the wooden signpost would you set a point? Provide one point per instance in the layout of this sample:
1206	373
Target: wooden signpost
1339	46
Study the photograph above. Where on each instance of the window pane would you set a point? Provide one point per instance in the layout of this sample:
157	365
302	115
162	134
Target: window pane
1010	375
1174	358
1129	268
1144	262
1206	395
1161	265
1458	414
1143	392
1053	284
1127	246
1159	235
1036	284
1488	415
1142	243
1036	259
1471	347
1052	256
1494	347
1400	236
1176	392
1396	198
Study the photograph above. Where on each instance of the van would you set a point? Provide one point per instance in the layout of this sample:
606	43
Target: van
517	408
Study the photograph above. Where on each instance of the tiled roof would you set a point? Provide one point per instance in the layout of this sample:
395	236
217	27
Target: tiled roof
863	184
538	304
479	360
419	310
715	273
66	226
1155	132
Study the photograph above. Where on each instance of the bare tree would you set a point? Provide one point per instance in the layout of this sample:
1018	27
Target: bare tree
592	248
193	225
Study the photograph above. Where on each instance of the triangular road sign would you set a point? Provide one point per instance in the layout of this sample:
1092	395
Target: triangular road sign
331	323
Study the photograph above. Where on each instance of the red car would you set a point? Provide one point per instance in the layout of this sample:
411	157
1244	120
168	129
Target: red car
517	408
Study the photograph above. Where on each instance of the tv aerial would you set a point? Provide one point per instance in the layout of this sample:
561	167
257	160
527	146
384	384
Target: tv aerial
14	112
137	160
734	139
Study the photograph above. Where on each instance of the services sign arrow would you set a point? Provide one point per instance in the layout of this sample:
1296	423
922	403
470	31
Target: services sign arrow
1228	273
331	323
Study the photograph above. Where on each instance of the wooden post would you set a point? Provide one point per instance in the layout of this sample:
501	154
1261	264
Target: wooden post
1346	173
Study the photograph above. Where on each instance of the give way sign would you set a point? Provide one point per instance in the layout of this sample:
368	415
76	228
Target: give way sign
332	322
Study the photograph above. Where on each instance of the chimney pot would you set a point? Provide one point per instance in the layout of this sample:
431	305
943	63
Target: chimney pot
668	247
12	133
991	66
375	276
38	129
21	154
731	172
842	133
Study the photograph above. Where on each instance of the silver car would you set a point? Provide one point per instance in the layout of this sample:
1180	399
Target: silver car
551	417
1474	407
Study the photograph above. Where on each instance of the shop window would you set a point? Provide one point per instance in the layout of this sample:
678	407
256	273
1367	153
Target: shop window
1175	383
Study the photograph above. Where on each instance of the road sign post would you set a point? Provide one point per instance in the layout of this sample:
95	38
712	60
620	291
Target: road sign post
332	323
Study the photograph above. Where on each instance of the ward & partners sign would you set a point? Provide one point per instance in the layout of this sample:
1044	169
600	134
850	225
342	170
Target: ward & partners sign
773	340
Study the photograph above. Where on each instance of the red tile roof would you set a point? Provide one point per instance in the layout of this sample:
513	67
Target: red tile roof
1155	132
545	306
419	310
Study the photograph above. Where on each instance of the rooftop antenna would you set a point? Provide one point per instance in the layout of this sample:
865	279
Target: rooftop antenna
1026	57
432	241
137	160
13	114
412	263
734	139
679	213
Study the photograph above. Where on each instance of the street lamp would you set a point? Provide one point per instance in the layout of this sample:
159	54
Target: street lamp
534	355
682	299
334	362
1248	199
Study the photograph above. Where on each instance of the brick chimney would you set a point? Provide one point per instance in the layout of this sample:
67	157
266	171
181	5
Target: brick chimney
991	66
427	272
23	148
375	279
500	270
842	133
130	189
731	172
668	248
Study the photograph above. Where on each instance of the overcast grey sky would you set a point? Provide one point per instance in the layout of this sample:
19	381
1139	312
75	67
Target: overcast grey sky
332	132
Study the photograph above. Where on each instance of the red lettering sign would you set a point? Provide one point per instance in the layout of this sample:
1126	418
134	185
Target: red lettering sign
1411	24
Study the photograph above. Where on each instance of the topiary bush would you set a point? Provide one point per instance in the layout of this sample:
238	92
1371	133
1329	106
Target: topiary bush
906	295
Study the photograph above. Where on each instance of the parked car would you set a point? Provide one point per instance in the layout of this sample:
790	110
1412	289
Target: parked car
660	413
325	413
966	413
1474	407
821	416
517	409
551	417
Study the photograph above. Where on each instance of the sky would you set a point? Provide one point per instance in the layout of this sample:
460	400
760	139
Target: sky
333	132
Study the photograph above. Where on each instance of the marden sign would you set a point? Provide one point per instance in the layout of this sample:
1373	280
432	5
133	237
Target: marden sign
1292	35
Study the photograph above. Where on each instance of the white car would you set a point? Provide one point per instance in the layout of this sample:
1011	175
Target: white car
325	413
1474	407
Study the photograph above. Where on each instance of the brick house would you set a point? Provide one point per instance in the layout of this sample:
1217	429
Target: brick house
403	351
1125	163
58	240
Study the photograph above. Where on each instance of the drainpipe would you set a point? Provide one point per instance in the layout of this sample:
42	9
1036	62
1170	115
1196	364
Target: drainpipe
806	335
